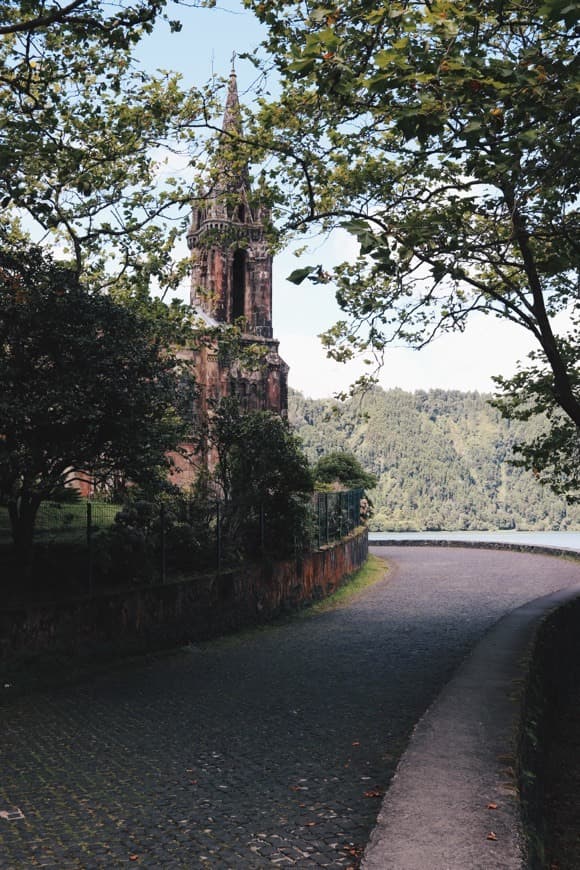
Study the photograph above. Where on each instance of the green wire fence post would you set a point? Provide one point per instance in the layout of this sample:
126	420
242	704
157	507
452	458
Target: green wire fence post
90	545
262	529
163	551
218	537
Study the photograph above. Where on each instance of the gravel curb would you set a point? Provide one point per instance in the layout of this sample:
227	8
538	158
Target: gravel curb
454	802
480	545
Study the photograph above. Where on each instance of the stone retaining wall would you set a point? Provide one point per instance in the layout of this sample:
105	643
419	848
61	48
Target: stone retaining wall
153	617
553	671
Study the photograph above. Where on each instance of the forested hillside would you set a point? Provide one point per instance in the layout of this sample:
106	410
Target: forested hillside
442	458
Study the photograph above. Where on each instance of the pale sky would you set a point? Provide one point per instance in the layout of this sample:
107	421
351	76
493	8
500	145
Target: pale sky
461	361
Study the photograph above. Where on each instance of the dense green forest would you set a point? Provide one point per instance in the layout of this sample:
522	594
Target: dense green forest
442	459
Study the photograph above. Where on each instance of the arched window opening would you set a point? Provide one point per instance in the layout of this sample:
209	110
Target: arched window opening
239	284
241	213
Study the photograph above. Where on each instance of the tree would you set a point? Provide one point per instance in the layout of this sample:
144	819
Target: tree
258	454
84	132
261	466
81	15
442	135
89	386
343	468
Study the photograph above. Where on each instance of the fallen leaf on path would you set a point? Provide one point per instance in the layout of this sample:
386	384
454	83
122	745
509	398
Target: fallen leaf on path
12	815
492	806
491	836
374	792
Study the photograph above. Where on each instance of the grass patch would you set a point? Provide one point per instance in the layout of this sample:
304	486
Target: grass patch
373	570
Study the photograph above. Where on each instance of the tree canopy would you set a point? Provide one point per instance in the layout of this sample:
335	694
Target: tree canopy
85	131
261	468
443	136
87	223
343	468
259	457
88	385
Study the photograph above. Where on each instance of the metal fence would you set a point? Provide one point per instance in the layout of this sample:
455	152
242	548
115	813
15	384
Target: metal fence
336	514
148	543
65	522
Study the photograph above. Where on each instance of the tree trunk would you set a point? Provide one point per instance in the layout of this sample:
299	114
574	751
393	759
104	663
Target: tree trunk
22	512
563	392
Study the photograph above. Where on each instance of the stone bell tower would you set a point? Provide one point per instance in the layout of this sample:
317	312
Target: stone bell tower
232	263
232	274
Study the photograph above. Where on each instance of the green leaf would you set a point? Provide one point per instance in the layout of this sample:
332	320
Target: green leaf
304	65
355	226
384	57
299	275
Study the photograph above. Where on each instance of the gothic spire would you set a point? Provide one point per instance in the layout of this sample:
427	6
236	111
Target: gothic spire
227	199
232	169
232	122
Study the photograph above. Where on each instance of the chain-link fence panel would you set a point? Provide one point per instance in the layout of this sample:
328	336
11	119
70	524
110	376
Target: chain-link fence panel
83	546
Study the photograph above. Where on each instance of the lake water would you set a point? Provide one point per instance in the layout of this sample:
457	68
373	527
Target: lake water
561	540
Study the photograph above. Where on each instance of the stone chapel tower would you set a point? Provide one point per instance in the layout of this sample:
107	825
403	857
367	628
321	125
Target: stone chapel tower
232	263
232	283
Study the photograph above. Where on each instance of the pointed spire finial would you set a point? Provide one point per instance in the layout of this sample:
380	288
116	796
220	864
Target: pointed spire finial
234	56
232	115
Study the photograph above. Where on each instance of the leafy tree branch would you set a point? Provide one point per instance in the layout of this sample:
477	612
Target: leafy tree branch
447	133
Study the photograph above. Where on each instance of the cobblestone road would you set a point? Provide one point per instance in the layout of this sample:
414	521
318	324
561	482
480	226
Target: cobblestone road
269	749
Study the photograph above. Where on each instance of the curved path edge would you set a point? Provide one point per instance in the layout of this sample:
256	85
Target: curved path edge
540	549
453	802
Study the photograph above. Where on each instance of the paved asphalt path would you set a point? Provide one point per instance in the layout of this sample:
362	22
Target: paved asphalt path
266	749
